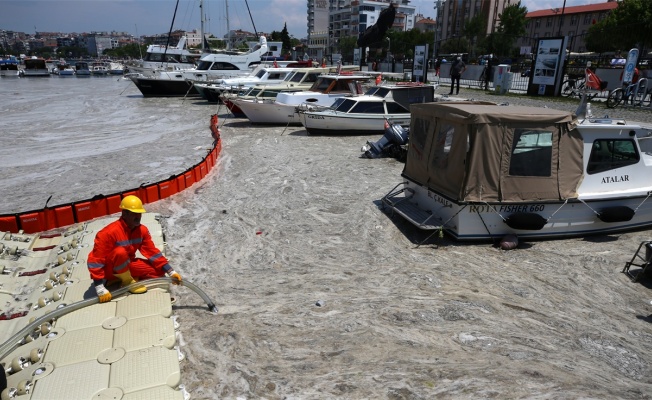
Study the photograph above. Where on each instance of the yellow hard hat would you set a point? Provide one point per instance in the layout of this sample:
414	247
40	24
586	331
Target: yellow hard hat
133	204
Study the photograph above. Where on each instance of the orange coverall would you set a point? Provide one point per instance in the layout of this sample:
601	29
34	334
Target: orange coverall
114	252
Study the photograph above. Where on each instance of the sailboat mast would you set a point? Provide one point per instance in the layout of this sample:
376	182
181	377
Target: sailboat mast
228	29
204	44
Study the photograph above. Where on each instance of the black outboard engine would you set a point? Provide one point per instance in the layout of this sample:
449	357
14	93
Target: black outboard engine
390	144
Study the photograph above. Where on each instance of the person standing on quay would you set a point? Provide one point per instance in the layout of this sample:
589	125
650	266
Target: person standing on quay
457	68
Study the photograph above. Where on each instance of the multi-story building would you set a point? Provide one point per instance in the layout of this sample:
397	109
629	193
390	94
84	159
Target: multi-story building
345	18
453	14
424	24
572	22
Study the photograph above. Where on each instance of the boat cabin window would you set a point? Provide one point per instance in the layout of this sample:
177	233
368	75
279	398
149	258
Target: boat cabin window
312	77
321	84
531	153
395	108
261	73
276	75
609	154
365	107
296	77
443	140
206	65
343	104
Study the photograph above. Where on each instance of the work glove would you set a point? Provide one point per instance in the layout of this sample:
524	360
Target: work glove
102	293
176	278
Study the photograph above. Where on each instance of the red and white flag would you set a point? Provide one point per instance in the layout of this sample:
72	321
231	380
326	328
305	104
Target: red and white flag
275	64
379	78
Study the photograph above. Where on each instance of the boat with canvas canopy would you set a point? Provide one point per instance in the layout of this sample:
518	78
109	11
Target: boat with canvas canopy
481	171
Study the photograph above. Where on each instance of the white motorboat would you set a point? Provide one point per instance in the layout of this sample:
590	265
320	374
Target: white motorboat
35	66
299	80
99	68
165	58
480	172
261	75
211	67
115	68
323	92
366	114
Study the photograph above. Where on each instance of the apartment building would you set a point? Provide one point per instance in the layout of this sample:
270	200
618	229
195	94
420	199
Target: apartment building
573	22
346	18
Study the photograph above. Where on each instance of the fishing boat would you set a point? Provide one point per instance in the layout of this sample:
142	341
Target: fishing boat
82	69
35	67
211	67
283	110
9	68
366	114
485	171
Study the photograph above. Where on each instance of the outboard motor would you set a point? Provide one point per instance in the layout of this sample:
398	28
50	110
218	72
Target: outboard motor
390	144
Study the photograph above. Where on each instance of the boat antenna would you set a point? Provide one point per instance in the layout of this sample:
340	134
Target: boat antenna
140	49
252	18
167	43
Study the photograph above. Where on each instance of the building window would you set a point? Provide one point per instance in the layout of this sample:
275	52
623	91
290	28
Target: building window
574	19
537	23
587	19
548	22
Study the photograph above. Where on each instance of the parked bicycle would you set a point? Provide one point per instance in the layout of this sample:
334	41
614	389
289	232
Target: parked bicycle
631	94
573	87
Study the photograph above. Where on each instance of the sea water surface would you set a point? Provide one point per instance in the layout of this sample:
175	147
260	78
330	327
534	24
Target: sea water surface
74	138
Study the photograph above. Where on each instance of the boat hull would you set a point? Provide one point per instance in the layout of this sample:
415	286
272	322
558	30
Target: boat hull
326	123
429	210
269	113
164	87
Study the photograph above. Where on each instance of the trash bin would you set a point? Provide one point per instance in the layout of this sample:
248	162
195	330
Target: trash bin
502	79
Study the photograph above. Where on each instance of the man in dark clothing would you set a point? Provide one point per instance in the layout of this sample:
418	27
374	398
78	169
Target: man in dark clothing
457	68
487	72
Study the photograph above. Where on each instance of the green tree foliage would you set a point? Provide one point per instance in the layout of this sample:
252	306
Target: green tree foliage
511	27
285	38
627	26
474	30
347	45
131	50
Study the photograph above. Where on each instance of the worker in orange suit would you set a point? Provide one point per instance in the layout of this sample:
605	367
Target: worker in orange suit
114	253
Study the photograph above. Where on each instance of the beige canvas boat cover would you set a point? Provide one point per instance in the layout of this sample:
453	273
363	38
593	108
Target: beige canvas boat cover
463	150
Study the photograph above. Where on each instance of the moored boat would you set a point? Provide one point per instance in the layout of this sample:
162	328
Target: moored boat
82	69
481	171
323	92
35	67
9	68
366	114
211	67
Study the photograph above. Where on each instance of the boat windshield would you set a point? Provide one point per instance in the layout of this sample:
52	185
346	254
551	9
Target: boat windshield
342	104
297	77
377	91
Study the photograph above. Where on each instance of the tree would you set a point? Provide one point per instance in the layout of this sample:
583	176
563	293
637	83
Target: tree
285	38
475	28
627	26
347	45
511	27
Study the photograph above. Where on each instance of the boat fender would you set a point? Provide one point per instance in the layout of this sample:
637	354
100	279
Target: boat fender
616	214
509	242
526	221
